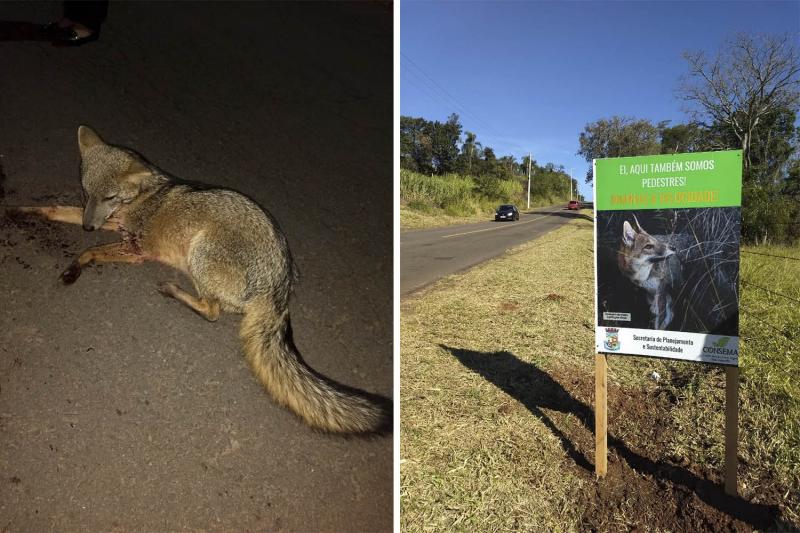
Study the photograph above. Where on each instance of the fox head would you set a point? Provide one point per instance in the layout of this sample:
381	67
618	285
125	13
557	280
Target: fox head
640	252
110	176
642	244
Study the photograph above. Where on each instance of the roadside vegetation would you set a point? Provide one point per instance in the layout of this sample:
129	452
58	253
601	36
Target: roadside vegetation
428	201
447	177
497	369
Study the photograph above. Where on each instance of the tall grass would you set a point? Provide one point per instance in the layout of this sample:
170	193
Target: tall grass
436	191
492	188
455	194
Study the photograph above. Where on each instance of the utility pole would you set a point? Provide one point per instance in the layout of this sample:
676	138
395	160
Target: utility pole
529	180
569	180
570	184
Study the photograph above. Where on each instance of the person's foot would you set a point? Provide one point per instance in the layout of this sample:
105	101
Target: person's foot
65	32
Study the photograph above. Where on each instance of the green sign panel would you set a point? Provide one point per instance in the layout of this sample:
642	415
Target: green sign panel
667	231
701	179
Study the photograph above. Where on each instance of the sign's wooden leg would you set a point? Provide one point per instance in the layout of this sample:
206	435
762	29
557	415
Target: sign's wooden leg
600	415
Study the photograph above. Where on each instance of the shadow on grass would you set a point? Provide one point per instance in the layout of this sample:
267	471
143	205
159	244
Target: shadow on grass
536	390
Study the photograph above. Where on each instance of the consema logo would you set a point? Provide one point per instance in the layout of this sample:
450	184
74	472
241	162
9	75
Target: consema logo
721	343
612	339
719	347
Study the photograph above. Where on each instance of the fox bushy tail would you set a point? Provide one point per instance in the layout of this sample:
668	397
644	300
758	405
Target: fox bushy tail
321	402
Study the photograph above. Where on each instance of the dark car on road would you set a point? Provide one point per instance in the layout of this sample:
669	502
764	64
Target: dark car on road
574	204
506	212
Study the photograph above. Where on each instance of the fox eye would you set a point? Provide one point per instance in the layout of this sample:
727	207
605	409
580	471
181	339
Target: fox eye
648	246
110	197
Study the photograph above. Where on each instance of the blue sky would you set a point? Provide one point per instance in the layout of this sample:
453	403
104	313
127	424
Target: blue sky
528	76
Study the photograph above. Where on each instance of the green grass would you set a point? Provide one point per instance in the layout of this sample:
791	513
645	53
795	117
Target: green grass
769	395
490	357
472	457
429	217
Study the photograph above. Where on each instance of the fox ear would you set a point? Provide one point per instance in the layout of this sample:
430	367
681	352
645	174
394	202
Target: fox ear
628	234
638	226
136	174
87	138
137	167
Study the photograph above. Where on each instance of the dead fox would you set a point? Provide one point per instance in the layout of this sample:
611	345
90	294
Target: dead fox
237	258
646	261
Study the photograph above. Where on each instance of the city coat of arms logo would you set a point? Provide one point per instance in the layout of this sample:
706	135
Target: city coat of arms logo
612	339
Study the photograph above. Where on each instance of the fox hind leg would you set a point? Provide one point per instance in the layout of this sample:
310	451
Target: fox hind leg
216	275
206	307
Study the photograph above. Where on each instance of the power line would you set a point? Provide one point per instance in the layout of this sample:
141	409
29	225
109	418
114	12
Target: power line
449	96
437	87
426	90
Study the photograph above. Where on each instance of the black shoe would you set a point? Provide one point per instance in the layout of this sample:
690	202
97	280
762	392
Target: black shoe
68	36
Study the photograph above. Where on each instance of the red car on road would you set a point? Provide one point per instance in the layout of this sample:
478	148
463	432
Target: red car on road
574	204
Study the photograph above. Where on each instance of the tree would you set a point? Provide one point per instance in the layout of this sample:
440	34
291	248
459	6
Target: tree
524	165
470	151
749	95
415	144
444	144
618	137
768	208
743	84
429	147
691	137
508	165
791	187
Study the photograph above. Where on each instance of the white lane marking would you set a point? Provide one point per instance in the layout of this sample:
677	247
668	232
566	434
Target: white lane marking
518	224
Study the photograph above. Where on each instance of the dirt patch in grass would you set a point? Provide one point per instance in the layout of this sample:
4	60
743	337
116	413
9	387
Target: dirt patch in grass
509	306
643	488
497	413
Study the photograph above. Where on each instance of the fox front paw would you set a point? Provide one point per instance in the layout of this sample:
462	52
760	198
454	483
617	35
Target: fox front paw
71	274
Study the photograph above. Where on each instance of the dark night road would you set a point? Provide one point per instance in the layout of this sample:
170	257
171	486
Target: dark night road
121	410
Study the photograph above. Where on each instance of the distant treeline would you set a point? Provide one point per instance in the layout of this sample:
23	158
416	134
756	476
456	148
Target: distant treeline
441	168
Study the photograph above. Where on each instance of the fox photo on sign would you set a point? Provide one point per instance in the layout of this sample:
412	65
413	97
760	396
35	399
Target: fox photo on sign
667	255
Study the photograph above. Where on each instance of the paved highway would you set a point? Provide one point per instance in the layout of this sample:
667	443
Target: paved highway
428	255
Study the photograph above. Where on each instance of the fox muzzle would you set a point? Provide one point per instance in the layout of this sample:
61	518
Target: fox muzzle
93	215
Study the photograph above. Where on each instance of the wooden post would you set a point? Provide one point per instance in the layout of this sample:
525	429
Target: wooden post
731	428
600	415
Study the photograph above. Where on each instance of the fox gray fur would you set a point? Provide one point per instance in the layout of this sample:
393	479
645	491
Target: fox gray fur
650	263
237	258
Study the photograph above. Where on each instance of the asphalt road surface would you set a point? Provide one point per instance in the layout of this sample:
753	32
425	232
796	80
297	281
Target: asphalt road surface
121	410
427	255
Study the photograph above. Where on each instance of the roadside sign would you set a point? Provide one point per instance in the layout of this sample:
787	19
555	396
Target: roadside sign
667	272
667	256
